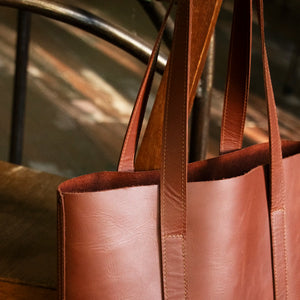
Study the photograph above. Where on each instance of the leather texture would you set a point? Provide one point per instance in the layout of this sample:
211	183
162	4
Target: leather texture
127	156
223	228
110	241
204	18
238	78
174	160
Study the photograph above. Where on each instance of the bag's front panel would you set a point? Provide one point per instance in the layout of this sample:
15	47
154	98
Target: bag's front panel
291	168
112	240
228	239
111	244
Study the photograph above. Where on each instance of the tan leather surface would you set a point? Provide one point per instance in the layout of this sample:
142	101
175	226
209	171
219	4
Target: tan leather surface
238	78
111	247
206	14
292	204
229	255
112	237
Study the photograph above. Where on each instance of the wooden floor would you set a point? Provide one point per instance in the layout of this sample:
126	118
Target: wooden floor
14	291
28	226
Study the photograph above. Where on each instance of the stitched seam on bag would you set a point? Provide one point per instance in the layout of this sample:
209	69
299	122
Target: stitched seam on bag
59	261
62	248
282	193
163	194
268	77
269	91
182	189
275	253
282	196
163	207
64	257
179	236
184	268
275	257
278	210
183	152
285	255
163	184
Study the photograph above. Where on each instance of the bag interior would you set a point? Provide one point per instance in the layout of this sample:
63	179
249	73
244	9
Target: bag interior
225	166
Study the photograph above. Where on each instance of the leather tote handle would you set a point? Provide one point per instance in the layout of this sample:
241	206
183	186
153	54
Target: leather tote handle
173	179
237	87
207	12
277	180
238	79
127	157
149	157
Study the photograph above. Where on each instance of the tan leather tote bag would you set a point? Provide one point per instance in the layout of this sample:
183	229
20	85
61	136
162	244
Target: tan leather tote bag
223	228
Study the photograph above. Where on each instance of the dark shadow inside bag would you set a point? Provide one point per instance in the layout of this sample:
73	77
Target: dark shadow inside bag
226	166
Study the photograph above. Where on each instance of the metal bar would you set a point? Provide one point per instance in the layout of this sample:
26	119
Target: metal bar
156	12
201	109
92	24
19	96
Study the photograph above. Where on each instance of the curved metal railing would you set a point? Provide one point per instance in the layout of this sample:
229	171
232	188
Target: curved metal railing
90	23
77	17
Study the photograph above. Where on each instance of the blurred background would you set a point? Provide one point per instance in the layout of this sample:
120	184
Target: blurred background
81	89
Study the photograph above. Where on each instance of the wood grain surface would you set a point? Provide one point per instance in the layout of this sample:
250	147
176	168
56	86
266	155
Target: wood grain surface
28	225
14	291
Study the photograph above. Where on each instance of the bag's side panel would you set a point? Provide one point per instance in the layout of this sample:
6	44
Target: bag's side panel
111	244
291	169
228	239
61	245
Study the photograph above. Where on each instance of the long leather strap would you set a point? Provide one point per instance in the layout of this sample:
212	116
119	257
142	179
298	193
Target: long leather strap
174	160
126	161
238	79
233	126
277	183
174	167
173	179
